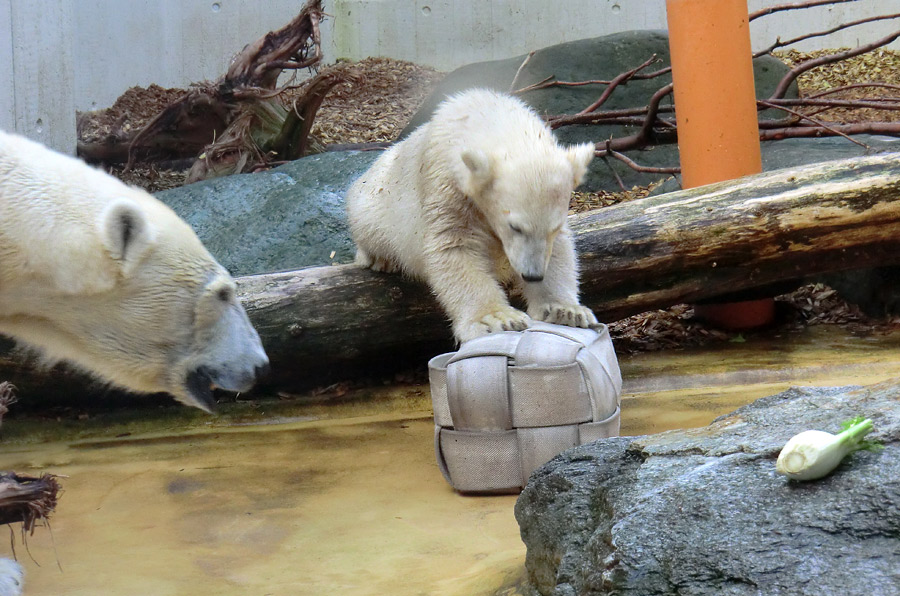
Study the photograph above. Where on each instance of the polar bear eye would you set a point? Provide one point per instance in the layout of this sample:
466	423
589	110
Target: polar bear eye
516	229
225	294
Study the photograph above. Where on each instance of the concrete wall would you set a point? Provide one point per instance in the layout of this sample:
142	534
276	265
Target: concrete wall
37	70
123	43
449	33
58	56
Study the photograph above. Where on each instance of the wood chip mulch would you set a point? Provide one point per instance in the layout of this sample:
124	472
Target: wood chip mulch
131	111
878	66
808	305
377	108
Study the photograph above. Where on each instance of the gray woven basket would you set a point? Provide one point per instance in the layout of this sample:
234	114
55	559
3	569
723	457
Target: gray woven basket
506	403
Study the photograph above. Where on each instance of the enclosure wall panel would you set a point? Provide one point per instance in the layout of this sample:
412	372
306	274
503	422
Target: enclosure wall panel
7	80
41	38
60	54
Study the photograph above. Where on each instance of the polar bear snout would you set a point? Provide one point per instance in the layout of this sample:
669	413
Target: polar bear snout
238	380
528	257
230	378
200	382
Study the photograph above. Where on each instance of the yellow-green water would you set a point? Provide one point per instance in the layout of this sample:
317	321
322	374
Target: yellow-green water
322	500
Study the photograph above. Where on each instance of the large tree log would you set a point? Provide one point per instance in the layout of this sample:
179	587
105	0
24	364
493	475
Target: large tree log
322	324
736	235
329	322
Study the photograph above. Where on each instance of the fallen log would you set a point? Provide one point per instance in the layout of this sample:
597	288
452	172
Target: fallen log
333	322
323	324
741	234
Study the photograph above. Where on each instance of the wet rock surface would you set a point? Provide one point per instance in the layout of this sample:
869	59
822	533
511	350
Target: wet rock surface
702	511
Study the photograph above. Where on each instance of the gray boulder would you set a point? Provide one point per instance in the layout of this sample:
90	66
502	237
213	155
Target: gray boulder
702	511
588	59
286	218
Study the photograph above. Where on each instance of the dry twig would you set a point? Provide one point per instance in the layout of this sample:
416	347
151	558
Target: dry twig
789	78
793	6
783	44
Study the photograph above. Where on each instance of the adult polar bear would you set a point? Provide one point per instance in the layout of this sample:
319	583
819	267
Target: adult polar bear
106	277
475	198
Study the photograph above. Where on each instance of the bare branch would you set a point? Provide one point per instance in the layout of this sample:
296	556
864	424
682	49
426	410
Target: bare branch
545	83
792	74
858	86
815	121
550	82
614	173
642	137
637	167
795	132
608	117
781	44
618	80
515	80
795	6
876	103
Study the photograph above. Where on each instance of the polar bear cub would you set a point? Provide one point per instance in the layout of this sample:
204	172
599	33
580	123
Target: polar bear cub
108	278
473	200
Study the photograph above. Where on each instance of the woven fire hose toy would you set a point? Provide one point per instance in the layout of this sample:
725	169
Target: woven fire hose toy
506	403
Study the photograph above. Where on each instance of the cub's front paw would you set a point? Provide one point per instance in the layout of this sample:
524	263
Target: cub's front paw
573	315
502	319
364	259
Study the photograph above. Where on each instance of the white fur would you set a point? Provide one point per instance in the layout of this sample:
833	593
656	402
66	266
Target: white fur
107	277
475	198
11	578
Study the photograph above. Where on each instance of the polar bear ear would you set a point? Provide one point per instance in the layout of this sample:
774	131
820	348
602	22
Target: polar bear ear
479	171
126	233
580	156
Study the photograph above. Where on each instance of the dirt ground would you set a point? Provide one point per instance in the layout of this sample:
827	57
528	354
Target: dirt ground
377	109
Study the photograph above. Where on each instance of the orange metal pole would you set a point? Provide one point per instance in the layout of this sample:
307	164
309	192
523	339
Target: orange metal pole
715	109
715	98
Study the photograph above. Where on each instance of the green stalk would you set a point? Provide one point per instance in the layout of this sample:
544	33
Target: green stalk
852	436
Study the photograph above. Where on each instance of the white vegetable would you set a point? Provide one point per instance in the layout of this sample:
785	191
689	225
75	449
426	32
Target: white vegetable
814	454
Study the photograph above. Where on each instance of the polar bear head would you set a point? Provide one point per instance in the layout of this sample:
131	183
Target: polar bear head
107	277
525	197
172	320
133	298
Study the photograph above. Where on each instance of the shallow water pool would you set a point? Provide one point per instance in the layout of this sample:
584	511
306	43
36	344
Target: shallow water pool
345	499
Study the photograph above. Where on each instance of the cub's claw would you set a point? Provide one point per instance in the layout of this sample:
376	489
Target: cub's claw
364	259
573	315
504	319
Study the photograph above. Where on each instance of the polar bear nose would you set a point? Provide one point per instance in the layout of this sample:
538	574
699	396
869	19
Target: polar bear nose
533	277
262	371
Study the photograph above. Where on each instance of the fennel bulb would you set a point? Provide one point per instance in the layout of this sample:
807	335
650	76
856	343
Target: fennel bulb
814	454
